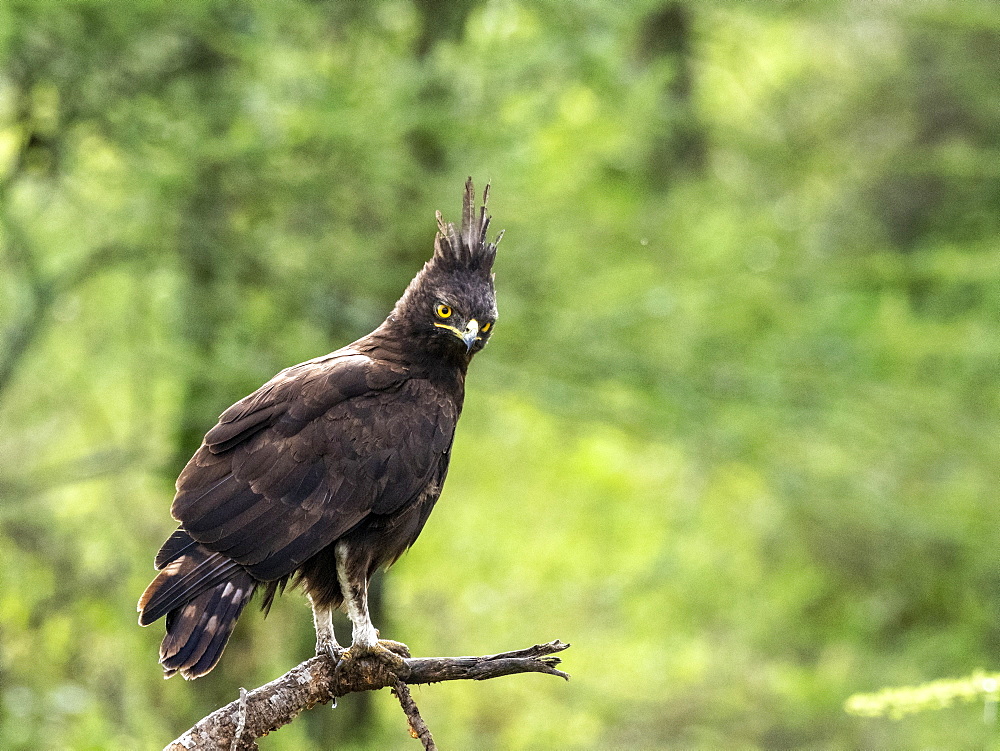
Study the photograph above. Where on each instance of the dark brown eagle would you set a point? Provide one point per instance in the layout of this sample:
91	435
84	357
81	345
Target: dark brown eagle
329	470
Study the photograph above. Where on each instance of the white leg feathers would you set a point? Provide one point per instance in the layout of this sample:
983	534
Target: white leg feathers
326	641
355	591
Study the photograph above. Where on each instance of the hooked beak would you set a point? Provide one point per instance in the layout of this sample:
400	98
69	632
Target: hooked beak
470	334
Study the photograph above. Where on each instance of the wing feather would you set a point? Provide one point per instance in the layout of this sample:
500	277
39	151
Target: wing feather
175	546
304	459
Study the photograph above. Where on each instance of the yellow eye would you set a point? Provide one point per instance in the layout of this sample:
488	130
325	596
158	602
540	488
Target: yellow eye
486	326
443	311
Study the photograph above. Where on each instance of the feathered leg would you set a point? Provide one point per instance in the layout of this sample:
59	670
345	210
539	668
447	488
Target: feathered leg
352	575
326	641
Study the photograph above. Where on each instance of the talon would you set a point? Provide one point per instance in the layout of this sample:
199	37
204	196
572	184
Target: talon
396	647
333	651
392	653
394	660
345	655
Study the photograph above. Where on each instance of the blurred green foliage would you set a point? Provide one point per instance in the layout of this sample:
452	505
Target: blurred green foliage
734	438
940	694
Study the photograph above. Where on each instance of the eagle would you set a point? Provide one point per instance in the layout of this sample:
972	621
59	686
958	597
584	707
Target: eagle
328	471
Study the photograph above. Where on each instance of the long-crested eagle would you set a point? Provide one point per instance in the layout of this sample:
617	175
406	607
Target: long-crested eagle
329	470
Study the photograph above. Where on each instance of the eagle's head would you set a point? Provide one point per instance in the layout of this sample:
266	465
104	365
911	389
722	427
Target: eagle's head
450	308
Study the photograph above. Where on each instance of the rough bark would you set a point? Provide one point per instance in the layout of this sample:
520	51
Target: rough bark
316	681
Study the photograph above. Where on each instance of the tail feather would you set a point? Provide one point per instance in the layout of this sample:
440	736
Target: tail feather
213	649
198	632
202	594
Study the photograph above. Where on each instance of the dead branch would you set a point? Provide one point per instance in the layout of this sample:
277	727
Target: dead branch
315	681
418	728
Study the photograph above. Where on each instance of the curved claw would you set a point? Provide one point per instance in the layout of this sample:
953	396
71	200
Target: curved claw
334	651
327	645
397	647
391	653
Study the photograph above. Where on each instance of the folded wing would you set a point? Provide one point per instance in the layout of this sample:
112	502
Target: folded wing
309	455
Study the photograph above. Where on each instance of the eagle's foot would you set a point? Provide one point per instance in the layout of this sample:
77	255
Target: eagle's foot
396	647
331	649
391	653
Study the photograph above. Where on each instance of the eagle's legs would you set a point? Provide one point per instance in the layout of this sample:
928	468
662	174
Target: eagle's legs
353	581
326	641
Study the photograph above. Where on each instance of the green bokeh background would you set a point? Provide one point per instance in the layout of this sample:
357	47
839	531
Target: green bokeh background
735	436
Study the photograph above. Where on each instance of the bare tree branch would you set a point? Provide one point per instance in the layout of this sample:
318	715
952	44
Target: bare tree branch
315	681
418	728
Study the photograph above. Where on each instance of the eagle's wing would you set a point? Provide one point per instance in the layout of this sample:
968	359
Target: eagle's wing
303	459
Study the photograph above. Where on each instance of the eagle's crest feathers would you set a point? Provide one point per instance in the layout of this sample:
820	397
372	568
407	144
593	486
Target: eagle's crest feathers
466	249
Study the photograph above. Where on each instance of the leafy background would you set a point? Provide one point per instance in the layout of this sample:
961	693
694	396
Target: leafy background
735	437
